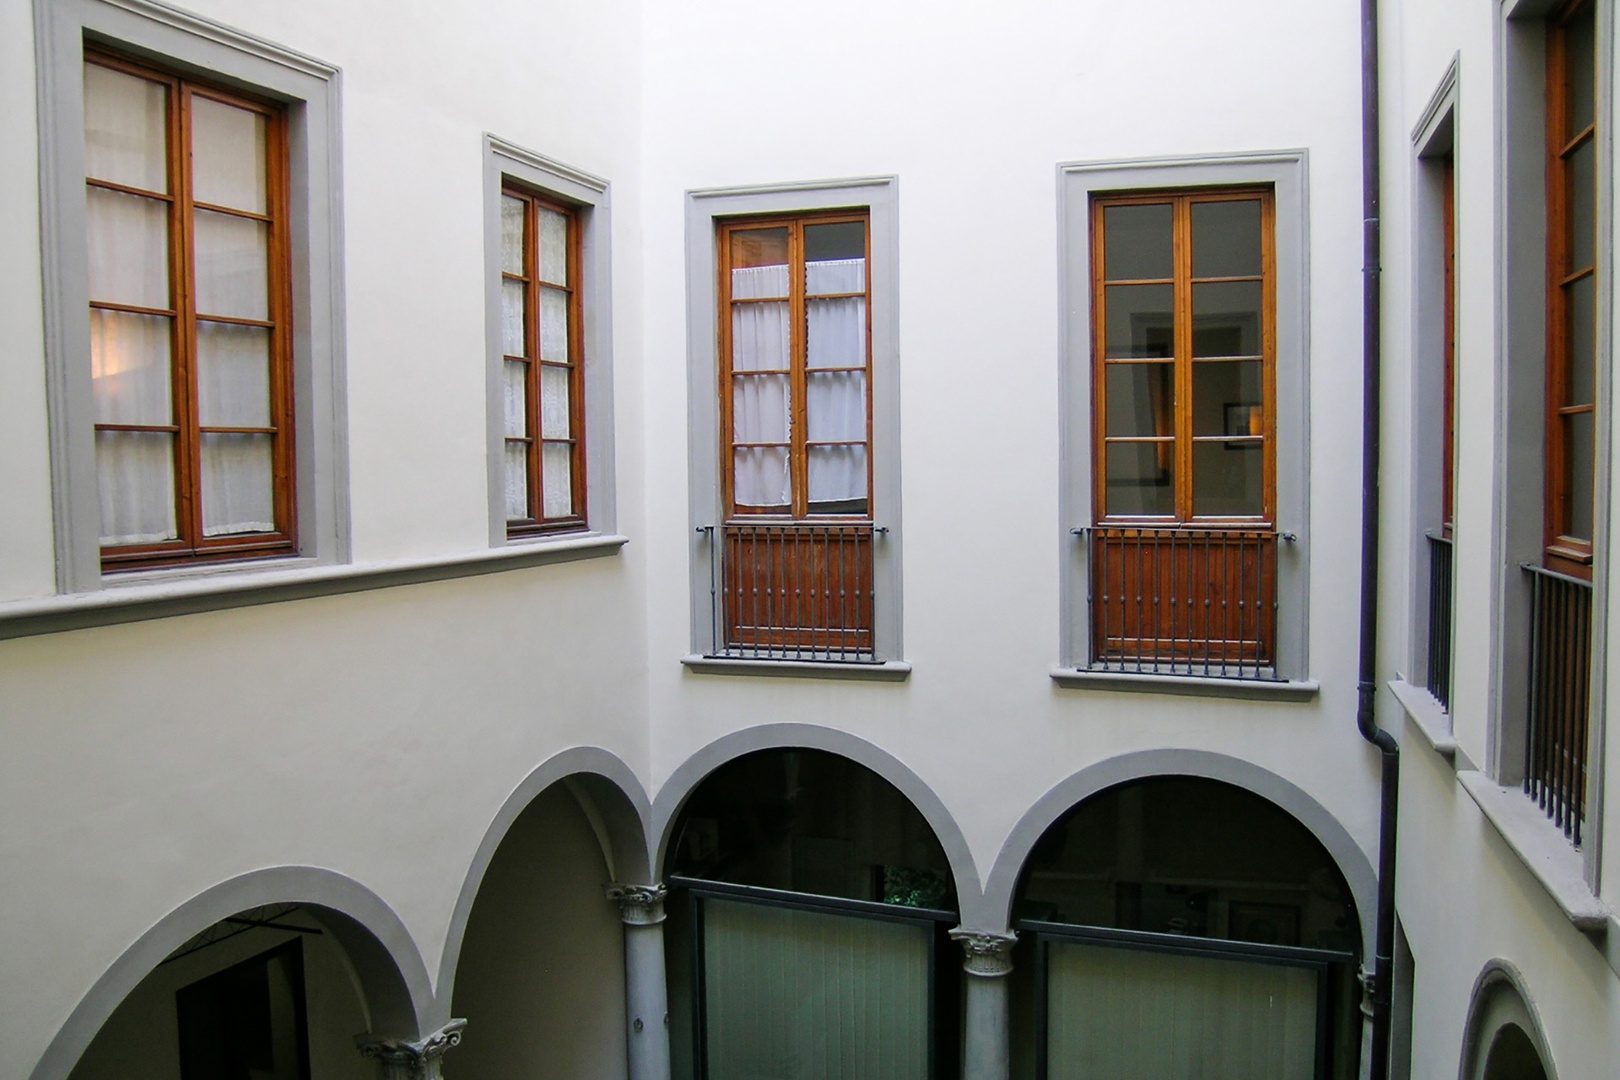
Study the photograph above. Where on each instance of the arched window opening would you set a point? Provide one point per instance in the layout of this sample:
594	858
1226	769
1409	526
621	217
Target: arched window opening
1179	926
1513	1057
807	930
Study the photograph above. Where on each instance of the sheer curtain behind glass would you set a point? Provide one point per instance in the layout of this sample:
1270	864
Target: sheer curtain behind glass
835	381
804	995
761	402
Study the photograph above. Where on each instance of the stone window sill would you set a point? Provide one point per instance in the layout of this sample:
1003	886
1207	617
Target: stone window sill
883	671
1186	685
1427	715
159	594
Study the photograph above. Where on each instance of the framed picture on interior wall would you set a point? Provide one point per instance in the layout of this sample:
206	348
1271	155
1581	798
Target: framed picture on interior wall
1263	924
1243	419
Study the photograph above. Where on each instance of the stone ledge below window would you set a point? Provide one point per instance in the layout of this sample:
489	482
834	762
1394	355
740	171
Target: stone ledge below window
1428	716
1186	685
160	595
1543	849
883	671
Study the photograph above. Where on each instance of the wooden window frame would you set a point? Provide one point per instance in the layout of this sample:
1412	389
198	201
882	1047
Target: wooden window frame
192	546
1182	359
536	523
798	446
1448	344
1564	552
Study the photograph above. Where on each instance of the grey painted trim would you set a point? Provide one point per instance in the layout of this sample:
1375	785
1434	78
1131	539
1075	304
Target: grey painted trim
681	783
1500	996
886	671
1064	796
391	976
1541	847
1186	685
1427	715
1288	173
200	47
160	597
591	194
880	196
621	807
1433	123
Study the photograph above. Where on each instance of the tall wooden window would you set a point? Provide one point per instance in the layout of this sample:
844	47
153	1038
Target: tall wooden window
541	324
1184	348
1572	230
1448	344
796	415
190	318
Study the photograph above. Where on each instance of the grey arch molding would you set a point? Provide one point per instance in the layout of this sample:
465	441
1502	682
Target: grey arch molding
610	795
1351	860
685	779
392	976
1500	998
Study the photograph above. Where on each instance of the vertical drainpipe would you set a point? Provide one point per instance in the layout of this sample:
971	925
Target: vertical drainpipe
1379	977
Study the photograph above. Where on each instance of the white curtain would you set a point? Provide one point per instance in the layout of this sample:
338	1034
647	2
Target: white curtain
516	426
1124	1014
760	404
802	995
836	400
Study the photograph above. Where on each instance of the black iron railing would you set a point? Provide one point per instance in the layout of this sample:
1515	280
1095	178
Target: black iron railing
1438	677
1559	698
1184	601
793	591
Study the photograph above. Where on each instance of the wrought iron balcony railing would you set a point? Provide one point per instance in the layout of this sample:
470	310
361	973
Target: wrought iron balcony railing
1438	677
1184	601
1559	698
793	591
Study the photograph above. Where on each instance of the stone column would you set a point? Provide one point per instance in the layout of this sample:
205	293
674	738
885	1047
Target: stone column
986	1039
646	996
400	1059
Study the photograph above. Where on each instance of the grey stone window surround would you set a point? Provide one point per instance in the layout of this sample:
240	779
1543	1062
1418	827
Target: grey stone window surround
1286	172
190	45
879	196
1520	333
590	196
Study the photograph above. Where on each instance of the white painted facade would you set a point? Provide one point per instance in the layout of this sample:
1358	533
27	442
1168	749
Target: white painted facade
365	748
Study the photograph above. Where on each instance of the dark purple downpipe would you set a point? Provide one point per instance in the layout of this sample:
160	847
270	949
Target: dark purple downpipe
1379	978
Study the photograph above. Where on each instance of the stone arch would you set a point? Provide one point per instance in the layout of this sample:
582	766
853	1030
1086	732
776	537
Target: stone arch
684	781
1351	860
1500	1000
393	980
612	799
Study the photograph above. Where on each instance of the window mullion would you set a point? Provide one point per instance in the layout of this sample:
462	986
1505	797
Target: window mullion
1182	247
798	333
531	348
188	451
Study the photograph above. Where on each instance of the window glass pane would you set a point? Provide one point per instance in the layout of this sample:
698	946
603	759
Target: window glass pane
237	490
228	147
1226	318
1138	242
1579	427
1141	478
126	137
1229	478
135	482
517	481
1580	70
129	248
1582	206
1228	397
554	325
759	337
514	316
512	235
553	247
557	479
836	332
1582	343
233	375
516	399
1141	399
837	479
792	993
1141	320
760	476
759	263
836	404
130	361
233	256
835	241
1226	239
1122	1013
554	402
759	408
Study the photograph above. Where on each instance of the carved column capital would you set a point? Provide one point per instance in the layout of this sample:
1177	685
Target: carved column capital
400	1059
639	905
984	952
